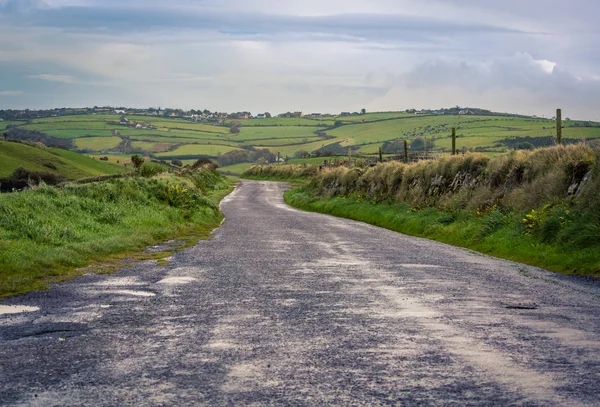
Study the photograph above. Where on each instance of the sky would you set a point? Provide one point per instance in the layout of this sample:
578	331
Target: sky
325	56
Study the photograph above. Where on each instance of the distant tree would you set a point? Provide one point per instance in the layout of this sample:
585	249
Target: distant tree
301	154
419	143
235	127
268	115
363	111
177	163
137	161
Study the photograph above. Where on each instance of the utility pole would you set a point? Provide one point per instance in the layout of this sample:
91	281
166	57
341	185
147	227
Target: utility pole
559	127
453	140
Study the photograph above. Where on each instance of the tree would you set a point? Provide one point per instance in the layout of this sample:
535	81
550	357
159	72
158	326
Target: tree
137	161
363	111
419	144
235	127
268	115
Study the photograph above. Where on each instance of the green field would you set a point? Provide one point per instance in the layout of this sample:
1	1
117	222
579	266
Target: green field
236	169
200	150
57	161
365	134
97	143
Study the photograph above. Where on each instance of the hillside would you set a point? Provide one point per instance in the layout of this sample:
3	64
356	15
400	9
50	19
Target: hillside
57	161
231	141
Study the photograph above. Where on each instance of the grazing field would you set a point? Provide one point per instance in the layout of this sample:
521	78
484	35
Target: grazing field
97	143
257	133
168	138
201	150
56	161
235	169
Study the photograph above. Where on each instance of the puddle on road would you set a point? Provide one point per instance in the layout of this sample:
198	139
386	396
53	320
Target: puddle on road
177	280
16	309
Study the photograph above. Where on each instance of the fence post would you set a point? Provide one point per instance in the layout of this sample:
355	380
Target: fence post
405	151
380	155
559	127
453	140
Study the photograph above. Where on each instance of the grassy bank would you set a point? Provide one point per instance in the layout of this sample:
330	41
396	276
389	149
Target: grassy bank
496	233
46	233
539	207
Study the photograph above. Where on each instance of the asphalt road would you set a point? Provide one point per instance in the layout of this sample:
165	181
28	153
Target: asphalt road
284	307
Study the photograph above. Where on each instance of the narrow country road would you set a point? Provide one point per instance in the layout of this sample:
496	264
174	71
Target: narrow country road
284	307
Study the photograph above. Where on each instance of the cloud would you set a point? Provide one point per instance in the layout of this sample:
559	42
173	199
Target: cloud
11	93
54	78
519	84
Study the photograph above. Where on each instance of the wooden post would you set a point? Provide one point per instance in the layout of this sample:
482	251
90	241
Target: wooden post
559	127
349	156
405	151
278	156
453	140
380	155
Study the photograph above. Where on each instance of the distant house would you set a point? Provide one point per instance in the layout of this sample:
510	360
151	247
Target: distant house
243	116
345	114
139	126
261	116
124	120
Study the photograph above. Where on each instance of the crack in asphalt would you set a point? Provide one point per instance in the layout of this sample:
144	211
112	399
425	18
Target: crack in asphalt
284	307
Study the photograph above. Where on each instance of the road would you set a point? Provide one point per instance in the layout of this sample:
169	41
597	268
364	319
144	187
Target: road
283	307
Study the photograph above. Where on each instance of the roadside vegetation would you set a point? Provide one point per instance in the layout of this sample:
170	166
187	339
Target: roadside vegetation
48	233
538	207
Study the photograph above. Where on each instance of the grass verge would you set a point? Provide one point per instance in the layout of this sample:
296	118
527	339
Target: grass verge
49	234
496	233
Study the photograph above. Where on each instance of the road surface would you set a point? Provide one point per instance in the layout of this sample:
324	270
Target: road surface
284	307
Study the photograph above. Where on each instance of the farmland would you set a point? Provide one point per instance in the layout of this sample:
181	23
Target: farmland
166	138
61	162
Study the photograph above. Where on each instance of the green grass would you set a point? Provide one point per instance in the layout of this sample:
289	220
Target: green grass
258	133
370	117
150	147
504	239
278	121
67	163
209	150
235	169
48	234
97	143
73	134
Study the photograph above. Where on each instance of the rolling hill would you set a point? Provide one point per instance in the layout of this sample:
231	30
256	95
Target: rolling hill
68	164
185	140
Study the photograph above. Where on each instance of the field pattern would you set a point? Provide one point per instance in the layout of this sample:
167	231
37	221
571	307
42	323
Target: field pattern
170	138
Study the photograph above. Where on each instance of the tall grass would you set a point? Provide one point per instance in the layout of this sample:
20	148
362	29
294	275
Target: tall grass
49	231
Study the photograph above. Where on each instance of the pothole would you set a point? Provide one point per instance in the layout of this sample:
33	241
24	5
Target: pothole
521	306
52	329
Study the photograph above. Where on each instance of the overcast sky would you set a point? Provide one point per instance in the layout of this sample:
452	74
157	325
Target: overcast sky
518	56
